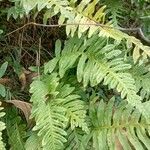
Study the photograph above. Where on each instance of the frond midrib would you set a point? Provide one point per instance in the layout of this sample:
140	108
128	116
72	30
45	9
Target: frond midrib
110	71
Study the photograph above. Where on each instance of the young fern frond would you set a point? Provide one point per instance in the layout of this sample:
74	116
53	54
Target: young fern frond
122	124
2	127
96	62
53	107
86	12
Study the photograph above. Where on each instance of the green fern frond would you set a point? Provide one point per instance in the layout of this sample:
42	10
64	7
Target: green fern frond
114	10
122	124
50	123
97	61
76	140
16	130
2	127
75	108
53	107
50	118
86	12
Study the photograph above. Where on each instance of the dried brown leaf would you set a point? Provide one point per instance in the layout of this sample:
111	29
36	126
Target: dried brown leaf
23	106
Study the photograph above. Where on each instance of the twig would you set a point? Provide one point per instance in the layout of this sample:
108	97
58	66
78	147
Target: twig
143	36
137	29
56	25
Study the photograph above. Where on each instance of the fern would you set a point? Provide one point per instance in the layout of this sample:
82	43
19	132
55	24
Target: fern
50	118
53	106
76	140
16	130
92	95
114	10
97	61
122	124
2	127
86	12
75	108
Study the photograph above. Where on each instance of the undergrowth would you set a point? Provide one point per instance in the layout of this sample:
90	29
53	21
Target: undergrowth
74	75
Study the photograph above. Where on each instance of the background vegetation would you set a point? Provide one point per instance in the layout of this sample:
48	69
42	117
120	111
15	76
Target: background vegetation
74	74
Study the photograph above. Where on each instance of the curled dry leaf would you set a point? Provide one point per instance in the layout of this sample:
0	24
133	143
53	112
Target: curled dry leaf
23	106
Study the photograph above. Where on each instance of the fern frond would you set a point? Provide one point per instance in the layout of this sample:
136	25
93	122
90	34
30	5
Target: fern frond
53	107
2	127
16	130
97	61
86	12
50	123
121	124
114	10
75	108
50	118
76	140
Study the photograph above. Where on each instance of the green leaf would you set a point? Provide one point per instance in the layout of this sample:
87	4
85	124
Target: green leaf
57	48
81	66
136	54
3	69
2	90
50	66
62	107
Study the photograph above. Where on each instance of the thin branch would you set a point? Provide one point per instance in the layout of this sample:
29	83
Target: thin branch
137	29
70	24
56	25
143	36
